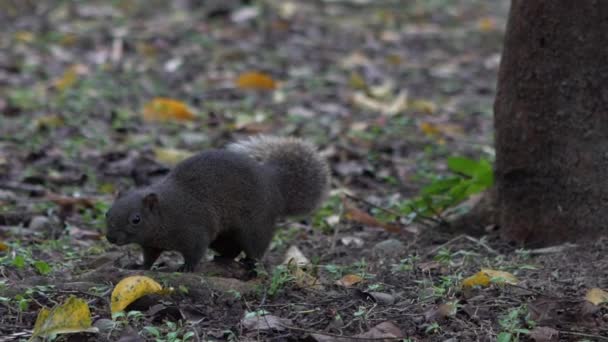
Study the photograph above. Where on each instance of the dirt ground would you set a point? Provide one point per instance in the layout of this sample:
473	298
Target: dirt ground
387	89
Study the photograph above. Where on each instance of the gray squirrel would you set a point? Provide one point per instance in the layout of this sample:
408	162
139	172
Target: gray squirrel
228	200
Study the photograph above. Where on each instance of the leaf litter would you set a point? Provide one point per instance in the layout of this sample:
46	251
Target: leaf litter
115	91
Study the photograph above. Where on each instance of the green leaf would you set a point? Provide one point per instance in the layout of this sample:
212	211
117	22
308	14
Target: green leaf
465	166
19	261
152	330
504	337
42	267
440	186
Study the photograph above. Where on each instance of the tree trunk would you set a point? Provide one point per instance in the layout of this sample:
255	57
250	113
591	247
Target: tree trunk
551	122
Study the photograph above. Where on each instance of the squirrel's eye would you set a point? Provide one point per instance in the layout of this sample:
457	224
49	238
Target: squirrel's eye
135	219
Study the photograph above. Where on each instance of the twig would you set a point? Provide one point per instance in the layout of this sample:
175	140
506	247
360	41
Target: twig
392	212
467	237
346	338
599	337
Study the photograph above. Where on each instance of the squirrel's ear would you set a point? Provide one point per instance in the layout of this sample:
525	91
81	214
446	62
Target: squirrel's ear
150	201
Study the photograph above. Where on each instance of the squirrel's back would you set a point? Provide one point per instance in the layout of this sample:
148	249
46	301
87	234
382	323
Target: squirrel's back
302	174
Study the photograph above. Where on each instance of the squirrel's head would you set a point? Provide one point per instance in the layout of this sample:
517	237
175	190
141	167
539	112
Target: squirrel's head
134	217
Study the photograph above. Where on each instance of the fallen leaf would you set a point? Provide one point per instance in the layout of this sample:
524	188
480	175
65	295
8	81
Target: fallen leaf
424	106
486	276
597	296
48	121
305	280
433	130
254	80
349	280
24	36
440	312
265	322
165	109
544	334
70	317
353	213
67	203
390	108
171	156
486	24
296	257
352	240
384	330
3	247
132	288
382	298
69	77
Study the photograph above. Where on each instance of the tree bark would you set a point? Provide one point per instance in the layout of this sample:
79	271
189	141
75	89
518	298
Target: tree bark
551	122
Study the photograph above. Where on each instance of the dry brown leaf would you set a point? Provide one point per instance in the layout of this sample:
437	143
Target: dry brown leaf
68	203
385	330
544	334
355	214
349	280
440	312
265	322
256	81
165	109
3	247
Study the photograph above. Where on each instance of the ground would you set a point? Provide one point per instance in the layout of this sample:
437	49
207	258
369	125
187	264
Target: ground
388	91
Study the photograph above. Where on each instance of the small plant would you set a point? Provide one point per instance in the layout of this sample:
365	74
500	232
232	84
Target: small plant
513	324
470	177
432	328
406	264
170	332
331	207
280	277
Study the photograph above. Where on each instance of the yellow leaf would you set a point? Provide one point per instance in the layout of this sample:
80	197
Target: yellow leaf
164	109
349	280
447	129
131	289
171	156
596	296
48	121
3	247
429	129
424	106
304	279
24	36
357	81
69	77
486	276
255	80
70	317
486	24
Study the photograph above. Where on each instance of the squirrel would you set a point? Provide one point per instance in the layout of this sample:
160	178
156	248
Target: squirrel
224	199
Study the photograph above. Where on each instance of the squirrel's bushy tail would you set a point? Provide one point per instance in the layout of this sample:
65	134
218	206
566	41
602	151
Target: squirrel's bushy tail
303	172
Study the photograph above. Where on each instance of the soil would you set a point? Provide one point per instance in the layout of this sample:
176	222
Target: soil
75	77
